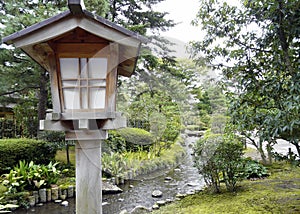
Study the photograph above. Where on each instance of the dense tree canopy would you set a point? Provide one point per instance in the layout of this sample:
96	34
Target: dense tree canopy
20	75
256	43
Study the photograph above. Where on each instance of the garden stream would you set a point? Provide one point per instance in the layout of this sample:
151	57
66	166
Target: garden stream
183	179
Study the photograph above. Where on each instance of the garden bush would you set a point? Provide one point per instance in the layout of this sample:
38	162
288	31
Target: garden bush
129	139
56	138
136	136
219	158
14	150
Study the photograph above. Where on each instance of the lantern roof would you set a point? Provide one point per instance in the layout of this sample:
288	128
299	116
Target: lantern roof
35	39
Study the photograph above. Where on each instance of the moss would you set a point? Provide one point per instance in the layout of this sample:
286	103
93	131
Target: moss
280	193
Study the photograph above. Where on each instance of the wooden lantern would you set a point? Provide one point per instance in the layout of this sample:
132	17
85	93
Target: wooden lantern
83	54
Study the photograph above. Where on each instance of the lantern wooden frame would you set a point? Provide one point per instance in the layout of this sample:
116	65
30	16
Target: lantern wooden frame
79	33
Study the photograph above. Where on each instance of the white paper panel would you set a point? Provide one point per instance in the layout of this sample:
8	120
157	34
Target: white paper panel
97	98
83	72
97	68
69	83
69	68
71	98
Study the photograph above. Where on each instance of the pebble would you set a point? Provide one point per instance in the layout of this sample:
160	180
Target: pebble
155	207
179	195
65	203
160	203
169	200
157	193
191	184
191	192
123	212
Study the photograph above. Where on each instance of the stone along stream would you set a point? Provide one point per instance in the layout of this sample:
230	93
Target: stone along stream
184	179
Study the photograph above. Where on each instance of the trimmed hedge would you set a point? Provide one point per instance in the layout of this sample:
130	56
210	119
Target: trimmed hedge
14	150
128	139
136	136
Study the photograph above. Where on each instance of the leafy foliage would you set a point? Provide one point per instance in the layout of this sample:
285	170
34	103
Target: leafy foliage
9	129
115	142
20	76
129	139
4	208
14	150
219	156
157	110
258	53
29	176
253	169
136	136
55	137
133	163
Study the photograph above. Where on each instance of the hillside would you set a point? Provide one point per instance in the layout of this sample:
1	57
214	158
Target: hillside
179	48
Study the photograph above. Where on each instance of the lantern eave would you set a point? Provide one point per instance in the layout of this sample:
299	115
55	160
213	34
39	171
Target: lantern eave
34	39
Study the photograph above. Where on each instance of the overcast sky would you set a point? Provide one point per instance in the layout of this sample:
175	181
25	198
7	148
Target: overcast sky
182	12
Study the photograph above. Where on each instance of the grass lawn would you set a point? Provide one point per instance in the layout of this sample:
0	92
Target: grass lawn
279	193
61	155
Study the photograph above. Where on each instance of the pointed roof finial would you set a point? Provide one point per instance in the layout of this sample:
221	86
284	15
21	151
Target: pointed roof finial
76	6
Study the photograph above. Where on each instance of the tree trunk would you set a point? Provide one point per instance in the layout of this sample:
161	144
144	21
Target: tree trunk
259	148
269	150
43	95
68	154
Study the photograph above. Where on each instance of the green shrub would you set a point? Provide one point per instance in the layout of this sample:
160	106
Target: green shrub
129	139
253	169
219	157
193	127
56	138
136	136
115	142
14	150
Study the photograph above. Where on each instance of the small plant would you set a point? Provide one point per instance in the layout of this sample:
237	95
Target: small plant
113	164
290	157
29	176
253	169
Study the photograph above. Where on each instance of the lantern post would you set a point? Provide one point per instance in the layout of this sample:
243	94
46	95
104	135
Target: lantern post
84	54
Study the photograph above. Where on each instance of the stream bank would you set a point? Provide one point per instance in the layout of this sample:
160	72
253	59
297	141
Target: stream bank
183	179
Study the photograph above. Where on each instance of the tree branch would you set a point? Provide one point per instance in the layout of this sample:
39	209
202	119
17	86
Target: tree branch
18	90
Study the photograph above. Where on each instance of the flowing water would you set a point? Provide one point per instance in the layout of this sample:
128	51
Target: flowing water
183	179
